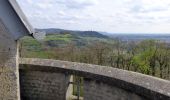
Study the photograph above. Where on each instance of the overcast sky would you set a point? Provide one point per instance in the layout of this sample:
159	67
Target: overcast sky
125	16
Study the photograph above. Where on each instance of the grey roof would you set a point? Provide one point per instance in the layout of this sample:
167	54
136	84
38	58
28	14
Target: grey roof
14	19
21	15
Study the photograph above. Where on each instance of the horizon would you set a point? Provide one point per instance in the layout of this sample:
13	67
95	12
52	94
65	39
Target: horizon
118	33
112	16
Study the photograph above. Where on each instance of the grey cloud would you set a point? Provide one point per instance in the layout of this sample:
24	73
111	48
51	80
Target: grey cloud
101	15
76	4
155	9
144	17
137	6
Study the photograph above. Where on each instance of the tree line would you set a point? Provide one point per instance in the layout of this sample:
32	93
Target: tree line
149	57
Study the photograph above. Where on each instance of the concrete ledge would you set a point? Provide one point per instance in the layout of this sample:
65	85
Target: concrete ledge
146	86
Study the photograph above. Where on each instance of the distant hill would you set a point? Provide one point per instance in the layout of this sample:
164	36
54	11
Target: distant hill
163	37
54	31
105	35
141	37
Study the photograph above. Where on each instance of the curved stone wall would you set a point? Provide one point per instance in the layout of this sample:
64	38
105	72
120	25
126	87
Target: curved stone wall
100	82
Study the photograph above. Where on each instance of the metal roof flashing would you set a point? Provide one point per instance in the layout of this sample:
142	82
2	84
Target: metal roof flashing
37	35
22	16
15	21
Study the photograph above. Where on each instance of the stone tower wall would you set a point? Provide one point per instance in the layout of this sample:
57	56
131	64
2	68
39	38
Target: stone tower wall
9	76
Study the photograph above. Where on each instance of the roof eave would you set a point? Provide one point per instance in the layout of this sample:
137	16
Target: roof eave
22	16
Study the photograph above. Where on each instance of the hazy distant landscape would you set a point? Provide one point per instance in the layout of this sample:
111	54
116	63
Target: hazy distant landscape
122	36
140	37
144	53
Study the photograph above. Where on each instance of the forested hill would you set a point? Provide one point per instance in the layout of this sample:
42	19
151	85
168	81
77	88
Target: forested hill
145	55
53	31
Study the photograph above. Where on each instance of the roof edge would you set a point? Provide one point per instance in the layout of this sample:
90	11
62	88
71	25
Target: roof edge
22	16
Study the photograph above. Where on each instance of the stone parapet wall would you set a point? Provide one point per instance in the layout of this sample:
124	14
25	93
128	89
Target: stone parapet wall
37	85
96	90
104	83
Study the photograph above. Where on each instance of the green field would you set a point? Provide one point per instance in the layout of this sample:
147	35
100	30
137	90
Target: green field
45	48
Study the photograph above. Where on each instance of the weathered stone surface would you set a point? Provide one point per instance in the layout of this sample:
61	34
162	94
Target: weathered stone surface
37	85
94	90
142	85
69	93
9	78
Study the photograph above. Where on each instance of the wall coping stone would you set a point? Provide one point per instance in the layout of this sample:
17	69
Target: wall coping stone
143	85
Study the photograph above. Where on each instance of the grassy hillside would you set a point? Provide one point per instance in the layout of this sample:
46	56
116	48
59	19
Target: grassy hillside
45	49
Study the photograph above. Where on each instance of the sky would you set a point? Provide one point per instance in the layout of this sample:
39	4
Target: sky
114	16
